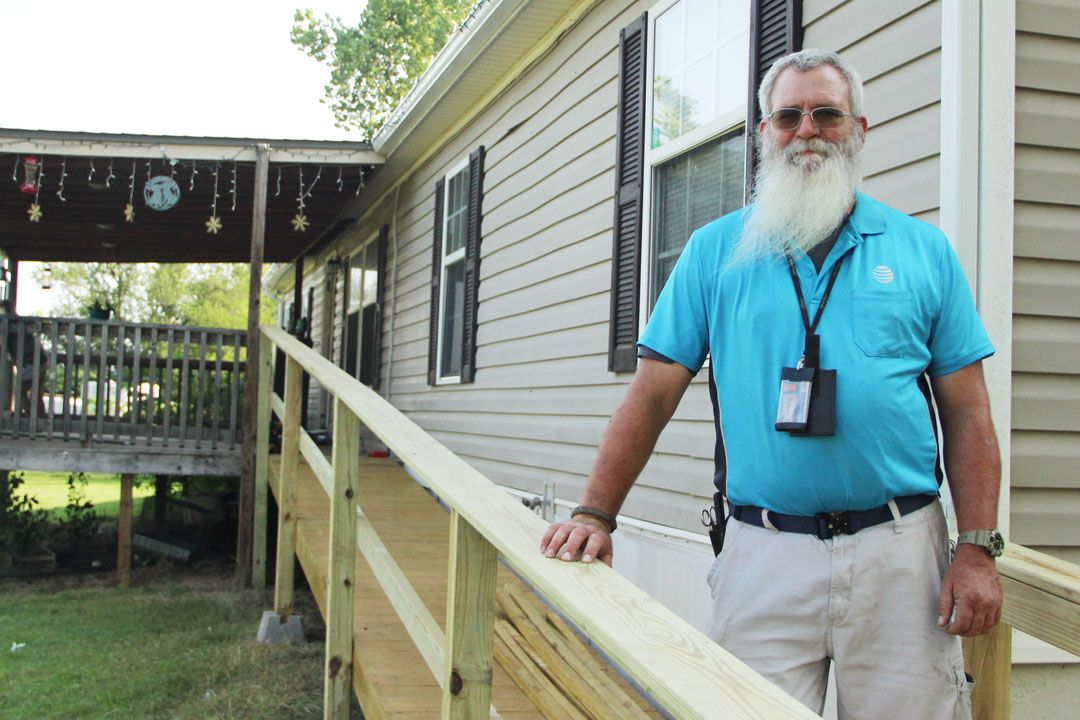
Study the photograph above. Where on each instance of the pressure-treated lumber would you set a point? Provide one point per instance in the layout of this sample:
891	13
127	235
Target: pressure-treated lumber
572	651
470	623
688	674
576	679
530	678
988	659
339	593
262	462
1042	596
124	531
290	461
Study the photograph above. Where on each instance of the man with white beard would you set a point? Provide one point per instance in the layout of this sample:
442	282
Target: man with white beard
827	316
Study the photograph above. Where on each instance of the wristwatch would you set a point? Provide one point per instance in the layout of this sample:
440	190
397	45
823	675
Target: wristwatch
990	540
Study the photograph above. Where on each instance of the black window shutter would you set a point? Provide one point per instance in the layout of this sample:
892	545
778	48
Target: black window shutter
629	176
775	31
380	308
472	265
342	361
436	267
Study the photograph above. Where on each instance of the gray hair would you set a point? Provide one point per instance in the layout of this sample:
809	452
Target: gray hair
806	60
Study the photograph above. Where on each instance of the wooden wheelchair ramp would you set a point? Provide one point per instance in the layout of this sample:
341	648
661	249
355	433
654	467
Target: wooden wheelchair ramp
391	677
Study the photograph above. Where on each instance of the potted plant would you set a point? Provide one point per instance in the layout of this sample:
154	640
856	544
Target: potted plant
99	311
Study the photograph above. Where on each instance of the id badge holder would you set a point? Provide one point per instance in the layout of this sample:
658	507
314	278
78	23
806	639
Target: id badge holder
793	406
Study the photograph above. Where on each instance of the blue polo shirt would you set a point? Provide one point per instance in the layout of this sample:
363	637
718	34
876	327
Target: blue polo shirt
901	307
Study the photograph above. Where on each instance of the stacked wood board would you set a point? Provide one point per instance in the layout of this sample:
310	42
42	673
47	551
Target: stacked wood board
564	678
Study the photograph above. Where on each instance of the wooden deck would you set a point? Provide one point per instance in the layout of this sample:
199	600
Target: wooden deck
389	675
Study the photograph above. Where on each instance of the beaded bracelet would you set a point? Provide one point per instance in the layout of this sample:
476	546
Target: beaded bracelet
597	513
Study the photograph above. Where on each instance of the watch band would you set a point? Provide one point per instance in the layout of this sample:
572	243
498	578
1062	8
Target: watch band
990	540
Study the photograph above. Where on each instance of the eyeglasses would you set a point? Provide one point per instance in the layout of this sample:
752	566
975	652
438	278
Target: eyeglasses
823	118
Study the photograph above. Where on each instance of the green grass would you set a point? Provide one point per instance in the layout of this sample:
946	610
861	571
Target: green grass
161	650
102	489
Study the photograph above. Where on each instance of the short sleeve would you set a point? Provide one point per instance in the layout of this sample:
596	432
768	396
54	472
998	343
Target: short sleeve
958	337
678	327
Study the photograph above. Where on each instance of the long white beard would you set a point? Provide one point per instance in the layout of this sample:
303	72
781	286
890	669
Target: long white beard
798	200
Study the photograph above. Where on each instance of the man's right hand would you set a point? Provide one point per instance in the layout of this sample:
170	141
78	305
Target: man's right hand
581	534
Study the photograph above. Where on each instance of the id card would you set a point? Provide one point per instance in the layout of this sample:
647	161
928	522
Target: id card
793	407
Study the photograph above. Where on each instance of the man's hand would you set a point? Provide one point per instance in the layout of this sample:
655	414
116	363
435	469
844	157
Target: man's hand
583	534
972	589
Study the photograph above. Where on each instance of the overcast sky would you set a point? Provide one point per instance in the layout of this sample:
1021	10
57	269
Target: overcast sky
172	67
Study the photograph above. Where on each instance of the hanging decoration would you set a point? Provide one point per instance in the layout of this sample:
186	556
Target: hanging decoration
213	225
90	177
278	182
233	190
194	172
129	209
110	176
339	183
15	171
35	207
63	174
300	222
161	193
357	193
31	175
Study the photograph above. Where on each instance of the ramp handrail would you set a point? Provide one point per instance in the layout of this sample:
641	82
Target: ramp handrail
686	673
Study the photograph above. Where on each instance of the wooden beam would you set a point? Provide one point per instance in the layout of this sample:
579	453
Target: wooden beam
988	659
262	463
290	461
341	564
1041	614
59	456
470	622
244	531
123	540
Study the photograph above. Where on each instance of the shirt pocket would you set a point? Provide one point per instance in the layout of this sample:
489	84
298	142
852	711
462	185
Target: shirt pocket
881	322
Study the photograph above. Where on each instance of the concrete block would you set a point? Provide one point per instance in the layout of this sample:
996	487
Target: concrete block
273	630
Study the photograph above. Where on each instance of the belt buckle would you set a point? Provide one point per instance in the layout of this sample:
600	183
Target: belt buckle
831	524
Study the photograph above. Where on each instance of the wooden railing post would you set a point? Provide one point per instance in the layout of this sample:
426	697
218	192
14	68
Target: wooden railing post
290	460
988	659
470	623
341	564
262	461
124	533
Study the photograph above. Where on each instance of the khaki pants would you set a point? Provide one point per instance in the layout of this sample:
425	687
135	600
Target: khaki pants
788	604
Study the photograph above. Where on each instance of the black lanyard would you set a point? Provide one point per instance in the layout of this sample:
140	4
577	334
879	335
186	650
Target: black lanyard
811	349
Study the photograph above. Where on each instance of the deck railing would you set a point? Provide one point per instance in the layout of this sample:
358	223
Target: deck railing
683	671
120	382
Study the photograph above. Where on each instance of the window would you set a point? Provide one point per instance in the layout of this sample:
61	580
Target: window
455	271
695	113
362	343
452	281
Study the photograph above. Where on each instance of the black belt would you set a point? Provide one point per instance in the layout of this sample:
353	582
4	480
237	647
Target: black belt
829	524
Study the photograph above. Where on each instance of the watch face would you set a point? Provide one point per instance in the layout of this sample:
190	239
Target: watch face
997	543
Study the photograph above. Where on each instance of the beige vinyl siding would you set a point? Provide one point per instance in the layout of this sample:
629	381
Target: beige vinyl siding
896	47
1045	508
316	415
543	396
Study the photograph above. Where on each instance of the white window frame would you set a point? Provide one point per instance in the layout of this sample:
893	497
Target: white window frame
456	256
721	125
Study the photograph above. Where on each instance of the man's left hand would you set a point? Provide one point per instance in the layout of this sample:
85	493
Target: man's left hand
970	593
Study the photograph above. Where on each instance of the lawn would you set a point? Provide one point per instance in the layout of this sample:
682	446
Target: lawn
102	489
169	648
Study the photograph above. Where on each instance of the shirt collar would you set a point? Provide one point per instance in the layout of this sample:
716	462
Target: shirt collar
866	218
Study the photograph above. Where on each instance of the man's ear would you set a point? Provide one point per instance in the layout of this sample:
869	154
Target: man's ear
861	120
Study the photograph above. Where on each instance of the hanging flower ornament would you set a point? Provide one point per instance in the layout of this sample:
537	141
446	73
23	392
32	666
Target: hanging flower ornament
300	222
129	209
213	225
35	207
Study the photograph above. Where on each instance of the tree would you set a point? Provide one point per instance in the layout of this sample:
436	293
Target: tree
208	295
374	64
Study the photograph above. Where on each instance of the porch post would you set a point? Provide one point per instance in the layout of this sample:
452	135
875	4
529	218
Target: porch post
245	530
